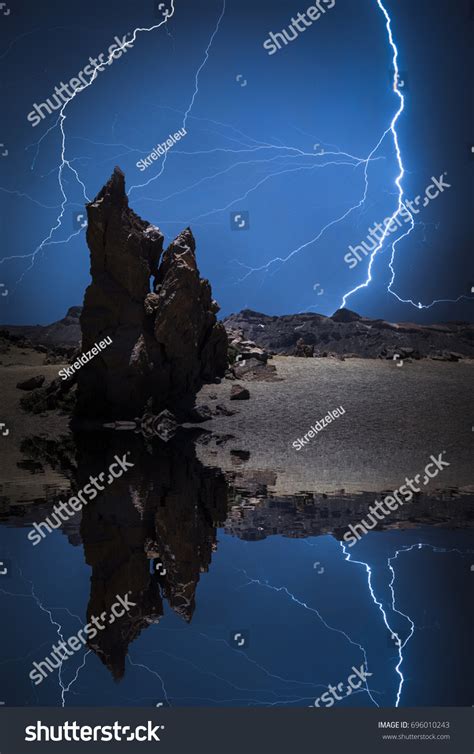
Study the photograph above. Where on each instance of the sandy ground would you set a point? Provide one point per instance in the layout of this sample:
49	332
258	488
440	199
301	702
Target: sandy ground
396	417
16	485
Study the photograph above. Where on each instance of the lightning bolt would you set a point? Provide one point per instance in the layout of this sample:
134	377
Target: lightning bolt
65	164
398	183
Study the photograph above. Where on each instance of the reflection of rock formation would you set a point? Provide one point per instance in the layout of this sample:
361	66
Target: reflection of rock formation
256	516
150	534
165	343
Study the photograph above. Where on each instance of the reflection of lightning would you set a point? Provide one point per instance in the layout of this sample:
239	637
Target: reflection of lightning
397	639
240	653
65	163
65	689
384	614
50	616
327	625
398	183
49	613
153	672
59	631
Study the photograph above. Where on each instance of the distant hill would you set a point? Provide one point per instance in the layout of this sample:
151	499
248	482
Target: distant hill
65	332
346	332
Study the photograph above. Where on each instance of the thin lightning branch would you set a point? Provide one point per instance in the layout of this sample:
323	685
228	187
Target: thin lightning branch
38	143
265	671
217	123
153	672
210	178
206	57
65	163
337	220
254	188
51	619
284	590
65	689
243	654
27	196
48	611
226	680
196	89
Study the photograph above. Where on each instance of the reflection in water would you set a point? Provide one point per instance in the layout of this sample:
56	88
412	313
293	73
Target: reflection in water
152	532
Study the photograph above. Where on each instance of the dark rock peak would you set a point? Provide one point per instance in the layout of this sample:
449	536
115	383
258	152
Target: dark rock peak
250	315
345	315
165	341
74	312
114	189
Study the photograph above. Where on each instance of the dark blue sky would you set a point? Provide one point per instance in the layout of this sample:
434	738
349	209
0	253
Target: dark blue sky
246	149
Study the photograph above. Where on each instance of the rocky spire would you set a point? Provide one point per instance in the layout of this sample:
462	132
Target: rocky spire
165	339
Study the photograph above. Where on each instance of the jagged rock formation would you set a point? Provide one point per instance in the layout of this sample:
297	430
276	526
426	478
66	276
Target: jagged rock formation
302	350
165	341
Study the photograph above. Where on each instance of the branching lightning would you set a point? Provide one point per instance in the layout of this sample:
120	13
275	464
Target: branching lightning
196	90
301	603
357	161
65	164
293	154
59	630
399	185
153	672
399	178
399	643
